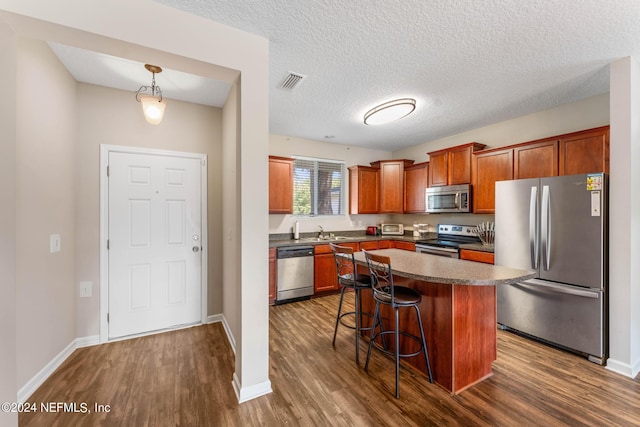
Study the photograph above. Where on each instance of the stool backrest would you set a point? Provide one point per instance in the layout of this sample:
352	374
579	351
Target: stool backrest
345	264
381	276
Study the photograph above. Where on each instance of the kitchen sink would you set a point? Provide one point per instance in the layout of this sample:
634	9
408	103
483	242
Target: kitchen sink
324	239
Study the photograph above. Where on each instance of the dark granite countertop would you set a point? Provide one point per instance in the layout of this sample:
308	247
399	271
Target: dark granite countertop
277	241
436	269
477	247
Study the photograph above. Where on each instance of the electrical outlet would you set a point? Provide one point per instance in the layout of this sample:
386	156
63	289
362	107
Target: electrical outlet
54	243
86	289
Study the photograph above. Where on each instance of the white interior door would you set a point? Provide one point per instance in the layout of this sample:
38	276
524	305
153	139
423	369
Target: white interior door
154	236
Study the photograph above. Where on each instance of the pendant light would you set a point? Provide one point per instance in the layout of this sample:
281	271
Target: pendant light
153	104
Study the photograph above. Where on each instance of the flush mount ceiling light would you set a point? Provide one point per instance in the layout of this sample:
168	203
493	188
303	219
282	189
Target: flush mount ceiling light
390	111
153	104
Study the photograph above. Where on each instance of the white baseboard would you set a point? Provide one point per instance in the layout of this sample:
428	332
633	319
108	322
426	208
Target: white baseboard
622	368
88	341
245	394
32	385
220	318
215	318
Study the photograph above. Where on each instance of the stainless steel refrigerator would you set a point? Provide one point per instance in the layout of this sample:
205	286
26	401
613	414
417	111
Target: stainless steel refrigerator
558	227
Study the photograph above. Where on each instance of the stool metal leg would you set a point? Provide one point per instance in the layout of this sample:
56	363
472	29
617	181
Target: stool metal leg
335	330
376	320
357	315
397	338
424	344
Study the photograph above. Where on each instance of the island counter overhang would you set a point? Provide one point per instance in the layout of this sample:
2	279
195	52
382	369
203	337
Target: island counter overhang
458	312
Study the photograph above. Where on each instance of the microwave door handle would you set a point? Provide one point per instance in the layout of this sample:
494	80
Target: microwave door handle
546	227
533	227
457	201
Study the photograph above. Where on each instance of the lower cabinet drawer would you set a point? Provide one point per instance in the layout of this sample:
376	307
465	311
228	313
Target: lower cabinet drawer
478	256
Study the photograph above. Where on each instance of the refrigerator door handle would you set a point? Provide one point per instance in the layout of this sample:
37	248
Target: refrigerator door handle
570	290
546	227
533	227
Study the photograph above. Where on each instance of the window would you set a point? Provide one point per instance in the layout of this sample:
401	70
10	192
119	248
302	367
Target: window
318	187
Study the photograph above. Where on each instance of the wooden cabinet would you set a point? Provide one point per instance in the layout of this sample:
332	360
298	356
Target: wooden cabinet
478	256
370	245
438	168
459	163
384	244
391	190
280	185
489	167
407	246
536	159
273	275
363	190
452	166
324	267
416	179
585	152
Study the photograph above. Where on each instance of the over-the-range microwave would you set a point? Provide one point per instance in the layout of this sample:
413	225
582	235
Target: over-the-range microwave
449	198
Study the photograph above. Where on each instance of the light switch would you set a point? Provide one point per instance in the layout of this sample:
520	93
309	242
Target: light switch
86	289
54	243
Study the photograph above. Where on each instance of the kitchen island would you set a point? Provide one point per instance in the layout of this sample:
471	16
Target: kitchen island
458	312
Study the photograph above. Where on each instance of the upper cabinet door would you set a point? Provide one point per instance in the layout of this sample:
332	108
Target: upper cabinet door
536	160
459	171
488	168
280	185
438	168
416	179
392	184
585	152
363	190
452	166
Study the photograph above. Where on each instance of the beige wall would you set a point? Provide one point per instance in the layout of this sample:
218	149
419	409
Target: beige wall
230	210
109	116
8	362
46	304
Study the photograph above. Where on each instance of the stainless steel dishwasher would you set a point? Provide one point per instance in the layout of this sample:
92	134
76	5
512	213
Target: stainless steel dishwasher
295	273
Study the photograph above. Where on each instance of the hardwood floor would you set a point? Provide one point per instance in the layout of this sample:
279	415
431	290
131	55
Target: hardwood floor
183	378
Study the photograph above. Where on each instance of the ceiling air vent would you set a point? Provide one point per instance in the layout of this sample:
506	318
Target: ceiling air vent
291	81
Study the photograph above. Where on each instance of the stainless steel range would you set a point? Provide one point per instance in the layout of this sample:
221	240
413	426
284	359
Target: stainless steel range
449	239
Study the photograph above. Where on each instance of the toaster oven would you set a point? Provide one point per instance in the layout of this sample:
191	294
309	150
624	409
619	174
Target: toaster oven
392	229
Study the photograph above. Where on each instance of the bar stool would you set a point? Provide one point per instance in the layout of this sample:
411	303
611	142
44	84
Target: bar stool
385	292
348	278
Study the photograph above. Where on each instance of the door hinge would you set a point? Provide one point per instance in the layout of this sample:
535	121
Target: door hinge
107	170
107	317
107	244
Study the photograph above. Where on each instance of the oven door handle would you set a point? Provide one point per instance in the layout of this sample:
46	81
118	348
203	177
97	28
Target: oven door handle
435	249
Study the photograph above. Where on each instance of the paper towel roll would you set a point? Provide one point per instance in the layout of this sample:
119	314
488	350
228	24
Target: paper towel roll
296	230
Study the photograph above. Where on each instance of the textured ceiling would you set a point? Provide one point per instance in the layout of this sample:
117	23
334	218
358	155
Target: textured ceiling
467	63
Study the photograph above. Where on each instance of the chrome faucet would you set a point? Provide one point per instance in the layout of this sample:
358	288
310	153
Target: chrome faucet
321	234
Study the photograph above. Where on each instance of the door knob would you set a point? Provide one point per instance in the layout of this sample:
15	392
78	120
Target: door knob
196	248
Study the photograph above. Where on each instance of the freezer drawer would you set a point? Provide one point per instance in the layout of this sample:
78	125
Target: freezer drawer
567	316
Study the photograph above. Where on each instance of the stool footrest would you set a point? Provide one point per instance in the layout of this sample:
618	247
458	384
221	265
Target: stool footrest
392	353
